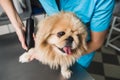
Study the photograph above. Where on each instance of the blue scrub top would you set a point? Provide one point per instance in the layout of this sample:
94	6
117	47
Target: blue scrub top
96	14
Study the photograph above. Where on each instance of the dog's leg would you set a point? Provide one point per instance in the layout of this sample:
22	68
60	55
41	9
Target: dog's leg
27	56
66	72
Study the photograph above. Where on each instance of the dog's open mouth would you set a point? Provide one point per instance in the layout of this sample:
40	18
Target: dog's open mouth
66	49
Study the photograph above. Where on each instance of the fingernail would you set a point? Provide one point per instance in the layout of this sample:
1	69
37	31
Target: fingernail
25	48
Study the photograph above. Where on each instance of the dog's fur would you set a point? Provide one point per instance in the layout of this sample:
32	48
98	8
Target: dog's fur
60	40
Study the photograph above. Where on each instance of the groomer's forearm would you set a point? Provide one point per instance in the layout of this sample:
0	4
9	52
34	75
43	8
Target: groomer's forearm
11	12
97	40
93	46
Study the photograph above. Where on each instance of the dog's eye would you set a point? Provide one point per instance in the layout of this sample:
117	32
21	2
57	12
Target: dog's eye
59	34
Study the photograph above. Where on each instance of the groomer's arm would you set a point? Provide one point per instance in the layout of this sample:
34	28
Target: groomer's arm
97	40
99	24
12	14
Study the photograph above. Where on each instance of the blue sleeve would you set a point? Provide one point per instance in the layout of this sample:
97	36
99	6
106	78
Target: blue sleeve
102	15
50	6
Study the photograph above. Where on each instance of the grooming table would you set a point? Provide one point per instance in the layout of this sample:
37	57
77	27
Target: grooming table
11	69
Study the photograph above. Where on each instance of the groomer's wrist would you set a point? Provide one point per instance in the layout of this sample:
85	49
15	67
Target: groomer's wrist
18	25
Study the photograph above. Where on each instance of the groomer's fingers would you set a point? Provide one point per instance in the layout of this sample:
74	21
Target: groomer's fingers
24	45
22	41
34	36
21	36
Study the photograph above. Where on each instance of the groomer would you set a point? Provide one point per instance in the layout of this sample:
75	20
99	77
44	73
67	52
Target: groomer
96	14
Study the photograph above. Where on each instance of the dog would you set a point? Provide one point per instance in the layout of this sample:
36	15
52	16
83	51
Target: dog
60	40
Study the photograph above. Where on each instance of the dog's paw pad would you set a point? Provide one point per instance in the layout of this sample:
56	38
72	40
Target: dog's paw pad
24	58
67	74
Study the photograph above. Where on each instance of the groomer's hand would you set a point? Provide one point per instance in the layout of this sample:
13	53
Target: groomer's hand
21	36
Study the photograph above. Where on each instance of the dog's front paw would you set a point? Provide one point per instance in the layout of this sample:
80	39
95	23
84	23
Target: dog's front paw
66	74
25	57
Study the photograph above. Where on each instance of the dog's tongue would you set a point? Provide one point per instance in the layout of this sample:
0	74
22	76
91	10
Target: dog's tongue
67	50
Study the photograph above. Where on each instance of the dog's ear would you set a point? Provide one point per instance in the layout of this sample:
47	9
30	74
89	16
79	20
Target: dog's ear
44	29
83	41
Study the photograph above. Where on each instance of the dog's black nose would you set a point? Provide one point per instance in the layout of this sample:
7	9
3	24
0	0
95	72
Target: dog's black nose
70	39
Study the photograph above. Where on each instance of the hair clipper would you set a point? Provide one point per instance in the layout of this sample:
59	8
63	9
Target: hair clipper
29	40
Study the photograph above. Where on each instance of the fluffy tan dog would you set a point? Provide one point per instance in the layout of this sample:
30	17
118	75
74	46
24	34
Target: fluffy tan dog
60	40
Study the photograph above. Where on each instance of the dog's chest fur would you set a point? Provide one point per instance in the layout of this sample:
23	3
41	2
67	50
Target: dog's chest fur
54	60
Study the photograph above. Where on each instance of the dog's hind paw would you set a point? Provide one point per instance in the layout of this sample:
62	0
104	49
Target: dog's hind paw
24	57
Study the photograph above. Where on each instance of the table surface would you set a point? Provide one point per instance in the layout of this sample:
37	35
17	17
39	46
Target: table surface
11	69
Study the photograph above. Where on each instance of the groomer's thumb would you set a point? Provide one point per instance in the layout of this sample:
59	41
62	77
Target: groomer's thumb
24	46
22	41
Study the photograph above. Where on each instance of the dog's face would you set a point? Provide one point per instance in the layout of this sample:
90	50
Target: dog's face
65	33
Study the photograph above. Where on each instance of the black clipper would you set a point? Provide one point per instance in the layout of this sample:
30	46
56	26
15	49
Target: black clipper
29	40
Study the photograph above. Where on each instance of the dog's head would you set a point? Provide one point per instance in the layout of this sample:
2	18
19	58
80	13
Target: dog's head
64	32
